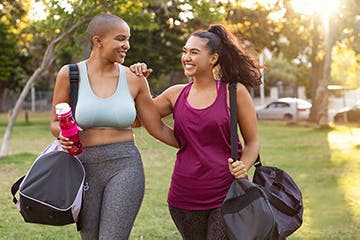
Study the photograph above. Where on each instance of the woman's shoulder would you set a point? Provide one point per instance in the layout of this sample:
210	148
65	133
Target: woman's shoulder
63	74
172	93
174	90
65	69
130	76
177	87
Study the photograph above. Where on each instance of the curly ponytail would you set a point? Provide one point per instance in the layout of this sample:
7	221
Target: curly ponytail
235	64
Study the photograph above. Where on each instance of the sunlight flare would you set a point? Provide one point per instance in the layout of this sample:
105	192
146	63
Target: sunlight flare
344	143
310	7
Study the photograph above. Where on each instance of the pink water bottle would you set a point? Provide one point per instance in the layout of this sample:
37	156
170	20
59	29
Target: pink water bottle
68	127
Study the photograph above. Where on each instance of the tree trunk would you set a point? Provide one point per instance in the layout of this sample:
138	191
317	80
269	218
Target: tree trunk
316	74
48	58
322	93
315	68
16	110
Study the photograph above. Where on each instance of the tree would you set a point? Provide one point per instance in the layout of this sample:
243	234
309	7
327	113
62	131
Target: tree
345	67
58	27
11	69
289	73
315	45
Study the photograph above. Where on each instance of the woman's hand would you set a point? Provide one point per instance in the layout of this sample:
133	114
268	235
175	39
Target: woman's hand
237	169
65	142
140	69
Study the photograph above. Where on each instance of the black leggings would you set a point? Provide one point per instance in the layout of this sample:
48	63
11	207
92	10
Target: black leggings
199	224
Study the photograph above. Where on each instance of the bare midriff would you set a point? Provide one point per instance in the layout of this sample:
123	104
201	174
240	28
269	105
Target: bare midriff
99	136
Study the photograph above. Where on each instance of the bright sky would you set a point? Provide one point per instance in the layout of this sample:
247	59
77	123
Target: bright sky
38	11
324	8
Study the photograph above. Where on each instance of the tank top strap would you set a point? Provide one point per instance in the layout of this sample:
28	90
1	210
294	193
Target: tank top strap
186	90
83	78
222	93
122	78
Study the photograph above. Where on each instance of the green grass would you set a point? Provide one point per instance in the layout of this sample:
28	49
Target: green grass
324	163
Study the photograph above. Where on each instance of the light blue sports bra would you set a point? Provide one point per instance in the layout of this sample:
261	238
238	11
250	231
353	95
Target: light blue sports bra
117	111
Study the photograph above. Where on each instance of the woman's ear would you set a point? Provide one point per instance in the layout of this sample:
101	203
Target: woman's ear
214	59
96	41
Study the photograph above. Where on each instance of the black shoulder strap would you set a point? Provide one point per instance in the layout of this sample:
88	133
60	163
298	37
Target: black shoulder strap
233	126
233	122
74	86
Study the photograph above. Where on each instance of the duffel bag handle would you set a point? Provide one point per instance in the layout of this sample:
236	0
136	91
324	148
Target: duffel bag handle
281	205
15	188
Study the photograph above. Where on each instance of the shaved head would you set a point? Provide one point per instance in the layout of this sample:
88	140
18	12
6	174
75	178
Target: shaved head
101	24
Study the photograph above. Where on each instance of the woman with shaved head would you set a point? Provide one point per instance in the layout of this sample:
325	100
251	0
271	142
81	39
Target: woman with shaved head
109	99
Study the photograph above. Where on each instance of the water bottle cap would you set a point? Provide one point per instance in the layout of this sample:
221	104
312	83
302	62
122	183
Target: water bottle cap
62	108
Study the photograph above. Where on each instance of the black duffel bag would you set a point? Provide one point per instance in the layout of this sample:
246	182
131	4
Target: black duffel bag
284	196
247	213
270	207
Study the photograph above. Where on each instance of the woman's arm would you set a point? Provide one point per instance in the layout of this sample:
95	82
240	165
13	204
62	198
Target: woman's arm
248	127
61	94
150	115
166	100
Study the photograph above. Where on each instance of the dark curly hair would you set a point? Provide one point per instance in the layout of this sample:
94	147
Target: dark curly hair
235	64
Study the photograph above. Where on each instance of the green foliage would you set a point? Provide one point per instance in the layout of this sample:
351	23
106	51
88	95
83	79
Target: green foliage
253	25
12	11
349	24
289	73
345	67
11	69
204	14
161	42
160	28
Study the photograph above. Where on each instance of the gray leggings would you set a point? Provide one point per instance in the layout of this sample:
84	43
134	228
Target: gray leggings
116	182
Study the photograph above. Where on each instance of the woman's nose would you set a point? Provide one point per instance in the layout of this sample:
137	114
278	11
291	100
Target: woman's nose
126	45
186	57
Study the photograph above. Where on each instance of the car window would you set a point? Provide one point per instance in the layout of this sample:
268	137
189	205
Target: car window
271	105
283	105
277	105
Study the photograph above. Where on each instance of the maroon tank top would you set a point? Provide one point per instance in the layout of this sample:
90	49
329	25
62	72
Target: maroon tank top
201	176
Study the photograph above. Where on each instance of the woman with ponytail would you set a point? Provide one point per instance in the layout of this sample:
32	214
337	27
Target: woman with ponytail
201	176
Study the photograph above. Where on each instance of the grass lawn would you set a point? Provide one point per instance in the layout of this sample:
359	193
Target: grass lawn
324	163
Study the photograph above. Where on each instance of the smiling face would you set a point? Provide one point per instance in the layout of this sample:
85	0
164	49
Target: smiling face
115	42
196	58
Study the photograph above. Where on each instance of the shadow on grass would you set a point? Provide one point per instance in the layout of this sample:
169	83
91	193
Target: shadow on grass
305	153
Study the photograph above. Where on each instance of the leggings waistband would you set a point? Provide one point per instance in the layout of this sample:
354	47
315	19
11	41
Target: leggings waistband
100	153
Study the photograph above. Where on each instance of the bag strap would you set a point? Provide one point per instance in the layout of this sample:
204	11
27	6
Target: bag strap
74	86
15	188
233	126
233	122
281	205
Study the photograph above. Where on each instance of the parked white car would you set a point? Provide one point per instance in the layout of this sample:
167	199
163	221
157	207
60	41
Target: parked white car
285	109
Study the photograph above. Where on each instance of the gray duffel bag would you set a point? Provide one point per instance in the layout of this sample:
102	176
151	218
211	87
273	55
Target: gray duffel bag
51	191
